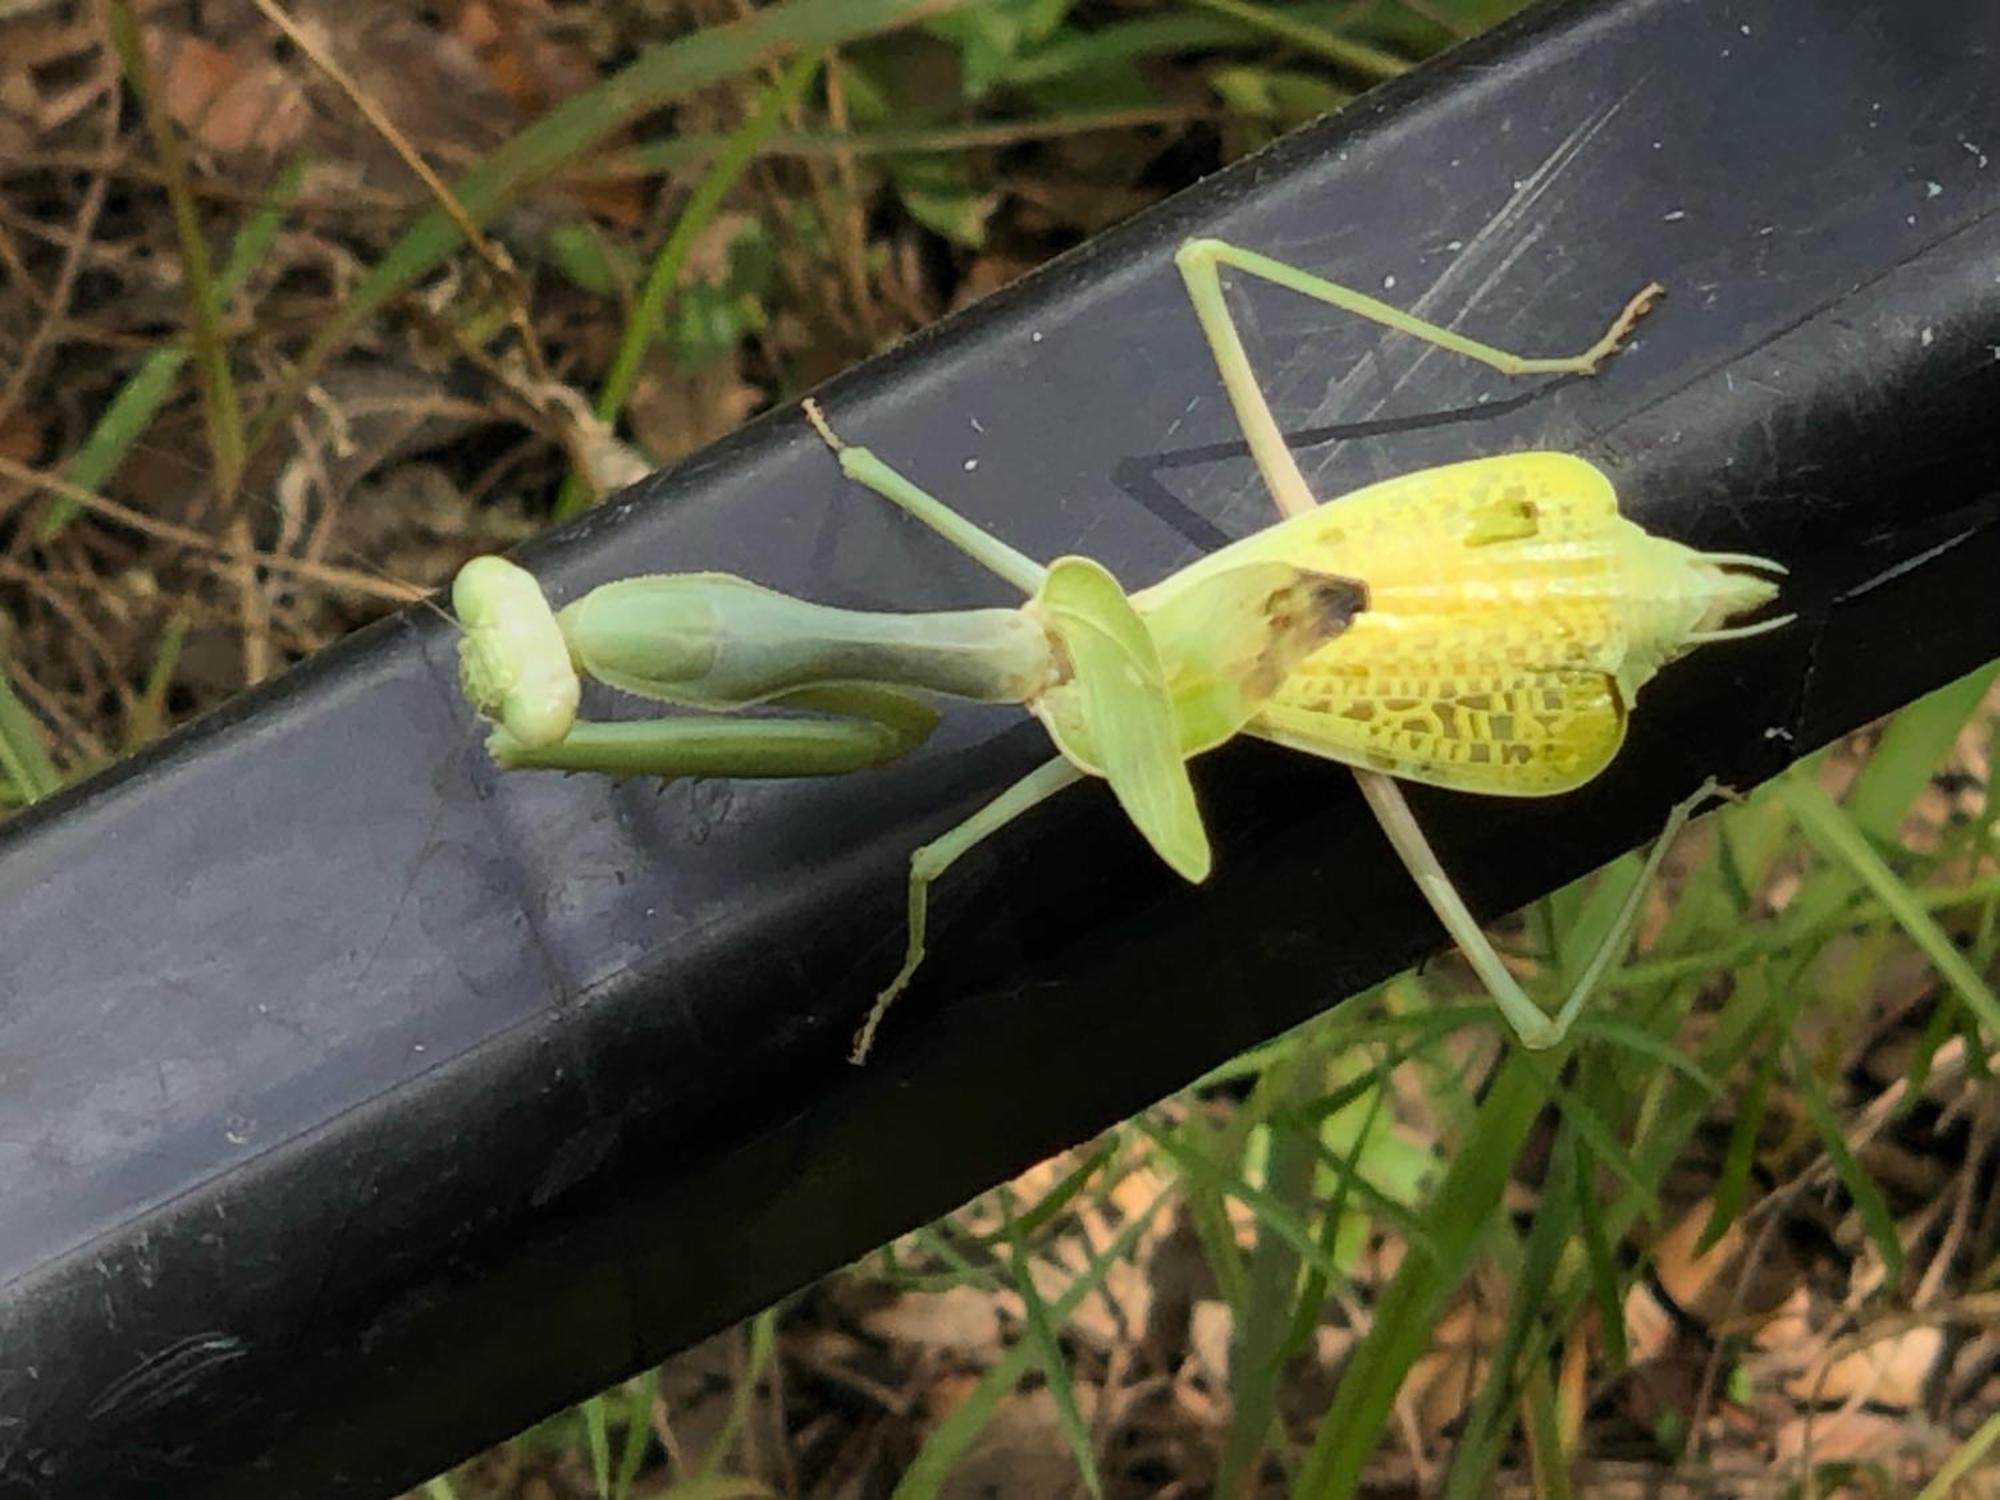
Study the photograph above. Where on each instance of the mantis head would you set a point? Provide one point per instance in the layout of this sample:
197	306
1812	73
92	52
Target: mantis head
1735	583
1691	597
513	663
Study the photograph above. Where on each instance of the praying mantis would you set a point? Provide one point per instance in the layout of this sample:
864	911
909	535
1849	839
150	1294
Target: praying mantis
1484	626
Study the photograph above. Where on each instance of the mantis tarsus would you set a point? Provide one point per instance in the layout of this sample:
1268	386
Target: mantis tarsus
1484	625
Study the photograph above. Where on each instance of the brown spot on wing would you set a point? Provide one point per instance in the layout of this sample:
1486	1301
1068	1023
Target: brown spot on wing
1303	616
1508	517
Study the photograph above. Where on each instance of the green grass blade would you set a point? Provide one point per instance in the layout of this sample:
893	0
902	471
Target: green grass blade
1207	1206
1370	62
1912	747
1886	786
597	1432
1271	1211
147	717
1545	1437
1732	1181
1645	1044
1043	1338
1943	1484
1674	1110
950	1439
1868	1201
1939	1025
763	1345
211	356
1059	1197
669	71
1602	1260
1836	837
1346	1170
1366	1085
1792	931
1262	1326
1530	1272
685	153
640	1392
139	400
665	273
24	757
1377	1202
1596	1131
1125	42
1462	1213
941	1242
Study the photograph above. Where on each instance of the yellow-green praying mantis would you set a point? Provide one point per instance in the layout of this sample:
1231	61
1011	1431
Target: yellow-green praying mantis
1484	626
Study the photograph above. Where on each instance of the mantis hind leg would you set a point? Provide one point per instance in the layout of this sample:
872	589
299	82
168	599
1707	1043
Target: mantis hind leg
1201	262
934	858
1534	1027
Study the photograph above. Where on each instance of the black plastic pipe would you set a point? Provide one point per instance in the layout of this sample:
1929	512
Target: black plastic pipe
358	1106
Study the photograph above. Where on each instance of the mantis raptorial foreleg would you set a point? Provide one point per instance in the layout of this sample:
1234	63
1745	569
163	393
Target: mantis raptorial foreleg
863	727
709	641
1200	262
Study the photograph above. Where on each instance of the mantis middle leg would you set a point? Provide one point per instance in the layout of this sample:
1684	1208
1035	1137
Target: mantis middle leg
865	469
933	859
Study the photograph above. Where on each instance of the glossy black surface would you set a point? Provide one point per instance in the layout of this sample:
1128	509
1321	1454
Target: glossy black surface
358	1107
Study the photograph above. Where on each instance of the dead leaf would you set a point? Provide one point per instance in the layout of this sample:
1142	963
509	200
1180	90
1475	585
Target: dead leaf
1442	1381
1840	1436
20	436
1888	1372
1210	1327
514	42
963	1321
231	101
606	462
1649	1325
673	412
441	98
1020	1453
1710	1285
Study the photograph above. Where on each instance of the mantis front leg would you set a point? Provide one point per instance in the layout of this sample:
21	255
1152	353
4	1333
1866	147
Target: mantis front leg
864	727
520	661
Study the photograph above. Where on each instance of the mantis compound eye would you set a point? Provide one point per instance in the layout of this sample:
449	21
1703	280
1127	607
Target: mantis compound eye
513	661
